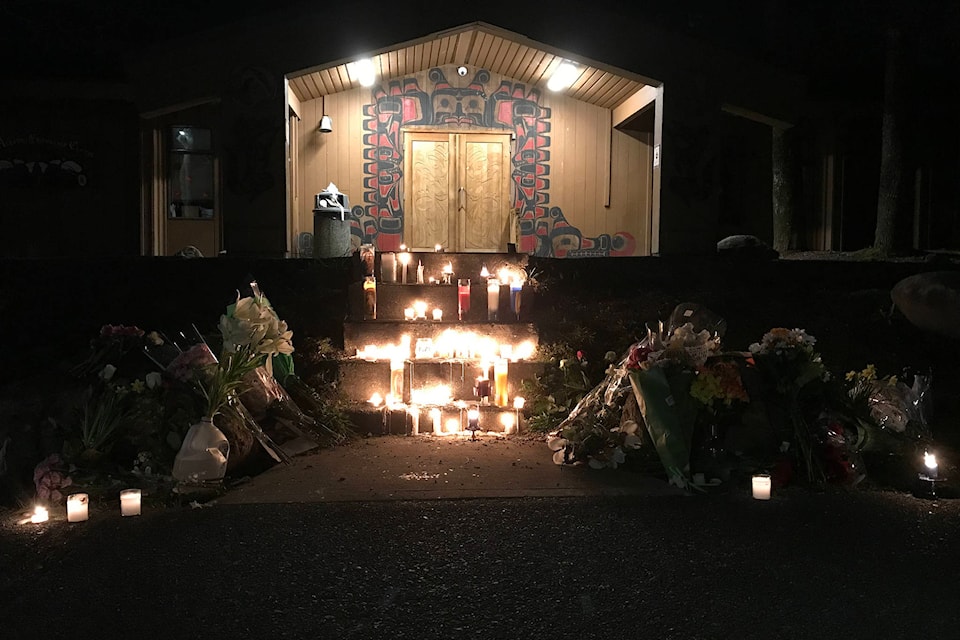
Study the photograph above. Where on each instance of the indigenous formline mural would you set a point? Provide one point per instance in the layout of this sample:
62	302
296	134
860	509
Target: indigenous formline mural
543	229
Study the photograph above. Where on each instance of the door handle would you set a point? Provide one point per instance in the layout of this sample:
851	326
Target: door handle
460	200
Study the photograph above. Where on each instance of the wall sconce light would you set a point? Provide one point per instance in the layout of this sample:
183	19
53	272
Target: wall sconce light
366	74
565	75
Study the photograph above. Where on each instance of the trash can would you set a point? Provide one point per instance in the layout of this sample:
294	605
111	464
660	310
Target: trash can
331	231
331	237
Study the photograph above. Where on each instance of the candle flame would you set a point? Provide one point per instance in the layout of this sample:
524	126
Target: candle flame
507	420
453	425
484	273
376	400
929	460
40	514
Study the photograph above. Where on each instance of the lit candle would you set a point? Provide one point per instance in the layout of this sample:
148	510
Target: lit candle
463	297
435	416
421	308
500	369
484	273
130	502
388	267
408	313
482	390
437	315
473	419
370	298
453	425
376	400
516	287
77	507
414	412
930	462
508	421
761	486
448	273
396	379
438	248
40	514
493	299
404	261
419	272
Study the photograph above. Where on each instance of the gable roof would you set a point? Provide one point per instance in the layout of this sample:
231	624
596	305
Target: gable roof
478	45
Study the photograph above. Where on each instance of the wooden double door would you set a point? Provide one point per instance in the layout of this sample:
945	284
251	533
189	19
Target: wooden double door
457	191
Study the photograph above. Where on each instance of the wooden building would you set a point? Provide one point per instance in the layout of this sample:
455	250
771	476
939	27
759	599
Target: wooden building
457	141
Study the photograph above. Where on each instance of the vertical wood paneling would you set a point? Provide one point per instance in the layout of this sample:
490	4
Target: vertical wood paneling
582	151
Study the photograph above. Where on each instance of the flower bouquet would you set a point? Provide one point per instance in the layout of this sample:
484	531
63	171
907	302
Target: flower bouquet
788	362
662	371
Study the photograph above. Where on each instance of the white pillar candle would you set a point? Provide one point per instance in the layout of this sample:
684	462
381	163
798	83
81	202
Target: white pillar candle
493	299
438	248
130	502
408	313
437	315
761	486
435	416
388	267
77	507
414	412
419	273
404	262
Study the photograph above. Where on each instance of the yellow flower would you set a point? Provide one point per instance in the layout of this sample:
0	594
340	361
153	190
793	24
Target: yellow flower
137	386
851	376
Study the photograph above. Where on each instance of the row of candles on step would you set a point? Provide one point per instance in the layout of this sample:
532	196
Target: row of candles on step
419	309
78	507
485	392
467	418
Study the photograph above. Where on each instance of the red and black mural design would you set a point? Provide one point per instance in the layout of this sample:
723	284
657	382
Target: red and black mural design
543	230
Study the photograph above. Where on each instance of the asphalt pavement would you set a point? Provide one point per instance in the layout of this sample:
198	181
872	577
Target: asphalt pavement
646	563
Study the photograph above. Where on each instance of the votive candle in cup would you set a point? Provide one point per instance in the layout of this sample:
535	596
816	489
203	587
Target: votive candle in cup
78	507
408	313
516	287
761	486
130	502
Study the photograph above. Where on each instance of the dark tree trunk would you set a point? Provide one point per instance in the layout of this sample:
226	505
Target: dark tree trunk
891	200
784	190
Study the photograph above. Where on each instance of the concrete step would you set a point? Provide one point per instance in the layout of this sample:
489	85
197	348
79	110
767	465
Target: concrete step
359	380
467	335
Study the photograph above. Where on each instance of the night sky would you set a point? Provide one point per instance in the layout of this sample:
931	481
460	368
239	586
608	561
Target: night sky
838	44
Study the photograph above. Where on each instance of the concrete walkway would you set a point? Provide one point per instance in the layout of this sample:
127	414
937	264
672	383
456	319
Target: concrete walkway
428	468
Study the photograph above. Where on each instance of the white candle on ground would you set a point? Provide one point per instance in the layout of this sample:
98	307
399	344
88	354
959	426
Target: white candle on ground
437	315
77	507
761	486
130	502
508	420
408	313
